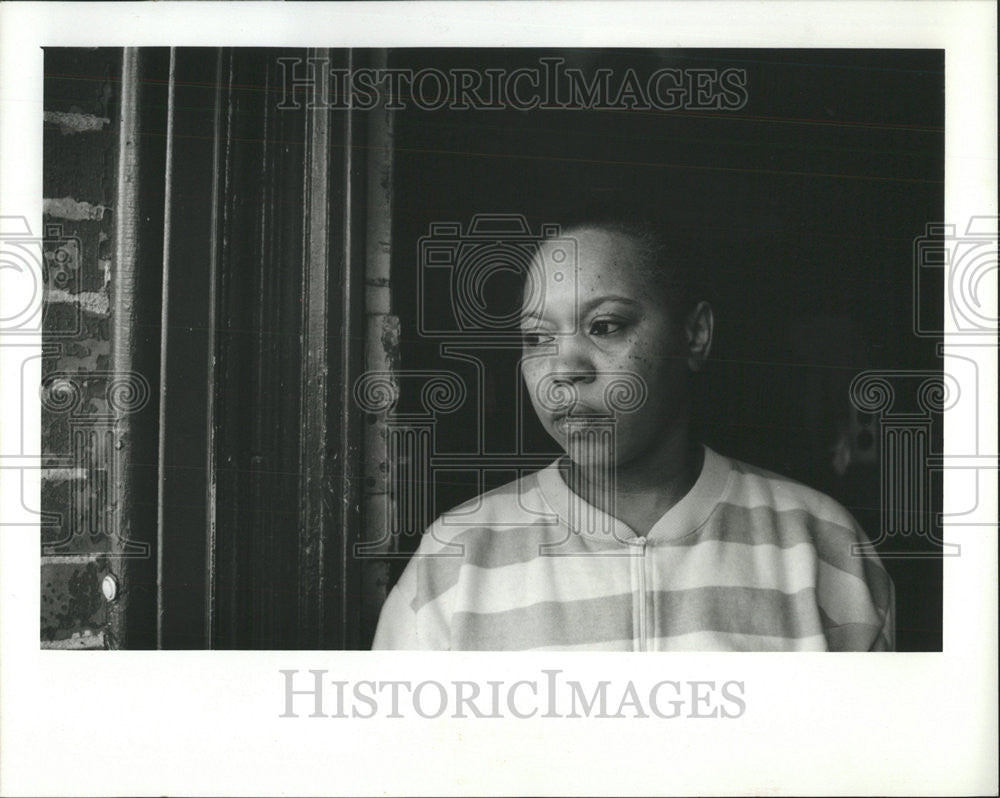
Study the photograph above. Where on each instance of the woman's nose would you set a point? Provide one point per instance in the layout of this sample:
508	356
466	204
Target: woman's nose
571	364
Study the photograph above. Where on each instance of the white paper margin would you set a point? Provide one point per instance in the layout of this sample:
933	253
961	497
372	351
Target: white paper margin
178	723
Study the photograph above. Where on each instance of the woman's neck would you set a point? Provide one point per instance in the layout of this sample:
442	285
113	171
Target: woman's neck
640	491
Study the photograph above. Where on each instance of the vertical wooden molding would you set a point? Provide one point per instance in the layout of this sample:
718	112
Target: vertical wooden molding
187	371
135	342
123	318
332	357
217	237
164	336
381	355
316	497
352	313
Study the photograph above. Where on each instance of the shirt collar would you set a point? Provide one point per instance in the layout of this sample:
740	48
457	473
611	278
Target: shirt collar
683	518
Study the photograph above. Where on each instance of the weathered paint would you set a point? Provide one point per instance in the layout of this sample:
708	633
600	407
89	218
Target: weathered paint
70	122
71	599
96	302
87	640
78	181
54	476
72	209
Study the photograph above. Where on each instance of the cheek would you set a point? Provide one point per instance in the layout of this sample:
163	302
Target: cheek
663	373
639	358
531	374
530	371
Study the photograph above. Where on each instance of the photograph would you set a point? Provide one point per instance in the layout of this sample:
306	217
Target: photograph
498	398
492	349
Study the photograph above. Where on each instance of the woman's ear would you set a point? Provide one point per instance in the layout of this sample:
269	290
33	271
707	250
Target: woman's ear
698	329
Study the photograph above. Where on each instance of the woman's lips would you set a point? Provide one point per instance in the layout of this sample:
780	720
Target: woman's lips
579	419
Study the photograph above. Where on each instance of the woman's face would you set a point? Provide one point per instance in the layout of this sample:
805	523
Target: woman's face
601	349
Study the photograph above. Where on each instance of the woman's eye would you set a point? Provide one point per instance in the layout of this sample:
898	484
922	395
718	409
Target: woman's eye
604	327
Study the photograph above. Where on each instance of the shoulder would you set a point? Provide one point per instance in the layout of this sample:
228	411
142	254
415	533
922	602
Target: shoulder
751	486
765	507
514	507
761	507
516	500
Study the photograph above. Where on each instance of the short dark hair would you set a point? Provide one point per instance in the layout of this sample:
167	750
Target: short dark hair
678	261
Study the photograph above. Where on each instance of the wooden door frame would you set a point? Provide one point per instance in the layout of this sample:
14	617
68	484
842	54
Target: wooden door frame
243	244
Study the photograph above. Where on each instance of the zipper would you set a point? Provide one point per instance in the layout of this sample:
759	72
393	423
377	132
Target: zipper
642	643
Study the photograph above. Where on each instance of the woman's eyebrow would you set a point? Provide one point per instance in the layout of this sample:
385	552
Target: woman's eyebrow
585	308
590	304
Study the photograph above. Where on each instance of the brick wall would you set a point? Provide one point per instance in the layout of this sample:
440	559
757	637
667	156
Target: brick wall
78	391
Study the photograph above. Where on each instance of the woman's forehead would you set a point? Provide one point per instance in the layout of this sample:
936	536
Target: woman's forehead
587	261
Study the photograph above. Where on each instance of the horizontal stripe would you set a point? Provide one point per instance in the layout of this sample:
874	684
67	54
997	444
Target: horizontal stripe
843	597
705	641
733	641
517	503
505	547
731	610
548	623
587	576
754	486
484	548
853	637
622	644
766	526
761	524
543	579
531	579
433	577
739	610
716	563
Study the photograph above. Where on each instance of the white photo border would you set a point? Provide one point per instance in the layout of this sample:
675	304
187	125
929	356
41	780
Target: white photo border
177	723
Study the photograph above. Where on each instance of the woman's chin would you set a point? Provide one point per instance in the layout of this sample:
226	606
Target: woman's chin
590	458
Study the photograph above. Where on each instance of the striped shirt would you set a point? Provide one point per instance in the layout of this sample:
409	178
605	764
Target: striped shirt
746	561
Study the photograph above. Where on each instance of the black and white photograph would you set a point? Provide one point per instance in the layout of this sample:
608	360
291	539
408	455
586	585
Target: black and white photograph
634	329
652	361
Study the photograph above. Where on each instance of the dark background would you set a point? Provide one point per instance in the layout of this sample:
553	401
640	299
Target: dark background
809	199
